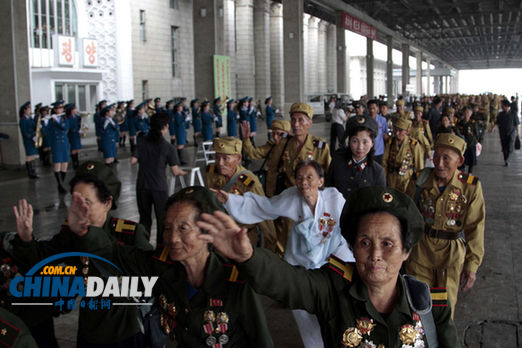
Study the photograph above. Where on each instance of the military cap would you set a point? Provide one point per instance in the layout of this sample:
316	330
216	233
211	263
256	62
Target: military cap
57	103
205	103
194	100
39	105
44	107
178	104
418	108
281	124
157	99
244	99
399	102
182	99
69	107
107	108
130	101
217	100
228	145
103	173
121	102
170	101
372	199
250	99
25	105
362	121
451	110
402	123
230	101
268	99
100	102
204	199
303	108
141	105
452	141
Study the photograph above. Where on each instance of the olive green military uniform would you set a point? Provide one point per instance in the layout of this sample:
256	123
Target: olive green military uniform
457	212
184	309
406	115
246	182
339	298
420	130
272	153
100	326
313	148
13	332
401	162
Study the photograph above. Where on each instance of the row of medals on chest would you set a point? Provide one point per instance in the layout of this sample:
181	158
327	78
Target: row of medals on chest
454	211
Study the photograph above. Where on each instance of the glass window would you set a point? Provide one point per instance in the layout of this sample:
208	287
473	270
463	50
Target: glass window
49	17
144	89
59	16
93	98
82	98
174	4
58	91
174	50
143	34
71	94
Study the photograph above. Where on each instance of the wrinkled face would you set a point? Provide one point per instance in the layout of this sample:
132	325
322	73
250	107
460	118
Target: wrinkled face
400	134
300	123
372	109
446	161
360	144
378	249
226	164
279	134
400	108
308	181
98	209
181	232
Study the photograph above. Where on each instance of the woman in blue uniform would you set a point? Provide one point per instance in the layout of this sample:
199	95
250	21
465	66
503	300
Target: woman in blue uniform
252	119
169	108
141	119
44	131
28	130
75	124
109	135
181	131
60	147
242	108
196	119
206	121
97	121
132	125
217	115
123	122
232	117
270	113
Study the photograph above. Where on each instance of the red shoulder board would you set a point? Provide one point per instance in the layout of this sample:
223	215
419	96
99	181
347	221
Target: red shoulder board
468	178
123	230
340	267
233	276
162	254
318	143
246	180
439	297
9	334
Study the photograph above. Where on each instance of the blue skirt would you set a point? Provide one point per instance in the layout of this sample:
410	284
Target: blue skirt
108	144
30	149
60	150
75	140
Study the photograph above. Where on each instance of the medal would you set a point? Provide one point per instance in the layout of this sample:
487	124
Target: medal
450	222
365	325
222	318
223	339
209	316
352	337
171	309
163	302
408	334
210	341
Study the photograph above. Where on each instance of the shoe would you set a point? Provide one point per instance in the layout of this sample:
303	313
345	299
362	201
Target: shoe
58	176
506	164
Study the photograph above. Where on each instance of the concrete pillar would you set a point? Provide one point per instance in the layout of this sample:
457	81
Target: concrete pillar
341	53
293	51
428	77
436	84
321	57
15	88
405	67
456	77
389	71
262	47
369	69
230	41
245	58
276	54
418	74
331	59
208	40
306	58
312	53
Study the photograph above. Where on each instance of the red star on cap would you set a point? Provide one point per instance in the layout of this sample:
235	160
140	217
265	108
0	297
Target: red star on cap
387	197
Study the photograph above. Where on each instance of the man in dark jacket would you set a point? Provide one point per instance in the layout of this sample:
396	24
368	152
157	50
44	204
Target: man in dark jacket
507	122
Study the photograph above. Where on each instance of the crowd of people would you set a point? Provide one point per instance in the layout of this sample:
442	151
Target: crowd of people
369	243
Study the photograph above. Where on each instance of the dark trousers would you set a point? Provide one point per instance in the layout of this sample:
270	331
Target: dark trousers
508	143
146	199
336	136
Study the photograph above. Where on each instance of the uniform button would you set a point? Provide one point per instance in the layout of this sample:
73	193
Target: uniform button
186	328
186	310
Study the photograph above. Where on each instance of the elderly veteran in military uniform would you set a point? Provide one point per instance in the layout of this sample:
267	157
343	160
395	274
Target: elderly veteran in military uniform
400	111
452	204
201	300
302	145
353	167
271	152
420	131
96	185
13	332
229	175
366	304
403	158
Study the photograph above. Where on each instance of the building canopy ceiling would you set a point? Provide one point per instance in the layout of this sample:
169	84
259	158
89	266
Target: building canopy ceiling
466	34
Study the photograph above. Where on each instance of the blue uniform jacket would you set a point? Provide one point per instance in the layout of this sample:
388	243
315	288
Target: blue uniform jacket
196	120
231	122
181	132
206	120
60	146
110	136
75	123
28	130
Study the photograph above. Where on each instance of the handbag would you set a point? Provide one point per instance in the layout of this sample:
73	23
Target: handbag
261	172
280	183
517	143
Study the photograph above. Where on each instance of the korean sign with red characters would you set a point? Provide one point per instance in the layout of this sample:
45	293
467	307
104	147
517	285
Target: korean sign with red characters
90	53
65	50
357	26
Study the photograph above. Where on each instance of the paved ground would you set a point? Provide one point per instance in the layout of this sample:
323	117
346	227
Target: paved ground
489	315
